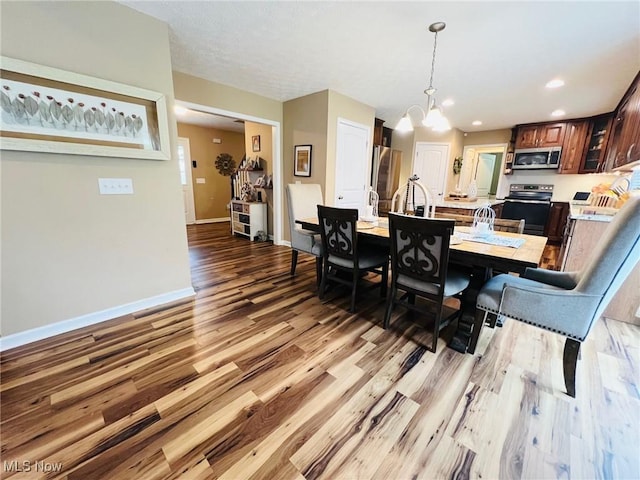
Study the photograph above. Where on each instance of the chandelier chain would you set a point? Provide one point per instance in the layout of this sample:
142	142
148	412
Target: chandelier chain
433	60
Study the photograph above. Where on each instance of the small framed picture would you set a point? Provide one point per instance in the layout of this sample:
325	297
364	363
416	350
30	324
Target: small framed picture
255	143
302	161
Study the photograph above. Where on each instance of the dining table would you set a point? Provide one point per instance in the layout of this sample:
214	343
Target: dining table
482	254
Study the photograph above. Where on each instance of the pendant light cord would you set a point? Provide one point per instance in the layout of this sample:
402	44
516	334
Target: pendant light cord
433	60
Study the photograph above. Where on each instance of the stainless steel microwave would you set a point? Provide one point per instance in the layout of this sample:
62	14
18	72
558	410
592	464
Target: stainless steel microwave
536	158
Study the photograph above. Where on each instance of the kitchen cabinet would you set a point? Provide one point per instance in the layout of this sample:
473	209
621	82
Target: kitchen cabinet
381	134
540	135
581	239
597	141
624	142
248	218
573	148
556	223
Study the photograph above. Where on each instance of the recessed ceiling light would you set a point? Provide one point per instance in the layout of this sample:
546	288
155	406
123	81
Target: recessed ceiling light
555	83
178	110
476	122
447	102
558	113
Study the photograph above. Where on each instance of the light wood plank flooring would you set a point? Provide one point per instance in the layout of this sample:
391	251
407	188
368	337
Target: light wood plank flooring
258	379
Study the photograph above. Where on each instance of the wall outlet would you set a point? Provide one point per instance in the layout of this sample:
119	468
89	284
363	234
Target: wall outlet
115	186
217	140
201	180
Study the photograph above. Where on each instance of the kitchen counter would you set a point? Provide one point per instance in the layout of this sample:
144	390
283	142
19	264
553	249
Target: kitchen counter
576	214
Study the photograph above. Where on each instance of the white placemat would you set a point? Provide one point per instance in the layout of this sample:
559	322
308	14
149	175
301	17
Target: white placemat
492	239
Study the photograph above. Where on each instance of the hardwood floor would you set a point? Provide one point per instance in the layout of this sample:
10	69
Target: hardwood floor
257	379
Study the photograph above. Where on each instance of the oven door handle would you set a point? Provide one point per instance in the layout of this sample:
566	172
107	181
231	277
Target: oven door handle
541	202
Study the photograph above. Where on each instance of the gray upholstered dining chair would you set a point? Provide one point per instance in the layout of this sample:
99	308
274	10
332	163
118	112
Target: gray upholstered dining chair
303	199
567	303
343	253
420	267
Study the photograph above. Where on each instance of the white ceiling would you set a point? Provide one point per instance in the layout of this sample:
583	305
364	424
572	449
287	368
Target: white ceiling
493	58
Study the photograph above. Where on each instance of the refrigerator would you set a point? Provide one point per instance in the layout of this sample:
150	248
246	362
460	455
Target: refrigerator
385	175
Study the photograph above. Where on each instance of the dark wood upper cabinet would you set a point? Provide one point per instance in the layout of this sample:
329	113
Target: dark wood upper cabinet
381	134
597	140
573	148
624	142
541	135
377	131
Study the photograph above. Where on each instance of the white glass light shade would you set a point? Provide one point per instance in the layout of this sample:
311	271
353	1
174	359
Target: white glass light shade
442	125
404	125
433	117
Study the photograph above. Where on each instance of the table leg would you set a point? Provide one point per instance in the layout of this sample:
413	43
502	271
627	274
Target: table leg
462	338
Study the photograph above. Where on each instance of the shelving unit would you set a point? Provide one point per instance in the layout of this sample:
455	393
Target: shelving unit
248	218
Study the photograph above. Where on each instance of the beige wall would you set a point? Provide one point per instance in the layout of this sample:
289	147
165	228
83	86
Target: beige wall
212	197
490	137
251	129
66	250
305	123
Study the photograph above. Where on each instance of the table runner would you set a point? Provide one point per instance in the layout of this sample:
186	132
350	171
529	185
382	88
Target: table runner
492	239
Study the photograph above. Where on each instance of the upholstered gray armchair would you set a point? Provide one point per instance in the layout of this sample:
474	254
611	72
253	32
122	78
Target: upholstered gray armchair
567	303
303	199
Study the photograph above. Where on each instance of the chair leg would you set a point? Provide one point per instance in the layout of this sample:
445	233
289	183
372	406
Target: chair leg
294	261
385	276
389	307
356	275
323	282
436	330
318	271
569	362
477	327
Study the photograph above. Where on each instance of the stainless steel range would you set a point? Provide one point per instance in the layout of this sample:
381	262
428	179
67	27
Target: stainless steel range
530	202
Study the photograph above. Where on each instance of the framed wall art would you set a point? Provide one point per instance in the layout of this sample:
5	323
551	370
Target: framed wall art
44	109
255	143
302	161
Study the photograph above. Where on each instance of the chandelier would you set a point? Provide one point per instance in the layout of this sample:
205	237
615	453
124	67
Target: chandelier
434	118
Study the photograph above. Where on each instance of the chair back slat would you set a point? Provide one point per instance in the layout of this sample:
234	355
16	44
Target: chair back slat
420	248
338	230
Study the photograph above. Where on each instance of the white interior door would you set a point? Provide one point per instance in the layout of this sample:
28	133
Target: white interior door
484	173
430	164
352	164
184	160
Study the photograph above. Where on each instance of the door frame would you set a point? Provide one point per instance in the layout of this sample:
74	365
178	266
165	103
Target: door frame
467	172
276	155
189	177
367	173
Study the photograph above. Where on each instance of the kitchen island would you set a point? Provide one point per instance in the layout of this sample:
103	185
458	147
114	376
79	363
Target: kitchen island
466	207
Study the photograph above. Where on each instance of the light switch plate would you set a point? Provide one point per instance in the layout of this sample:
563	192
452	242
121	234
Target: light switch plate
115	186
200	180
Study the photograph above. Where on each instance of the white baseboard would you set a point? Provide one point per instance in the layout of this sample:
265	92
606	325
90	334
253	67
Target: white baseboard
64	326
286	243
212	220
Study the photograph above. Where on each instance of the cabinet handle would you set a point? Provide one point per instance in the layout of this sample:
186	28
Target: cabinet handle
340	197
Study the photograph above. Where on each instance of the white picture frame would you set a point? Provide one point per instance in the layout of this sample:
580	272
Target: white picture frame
45	109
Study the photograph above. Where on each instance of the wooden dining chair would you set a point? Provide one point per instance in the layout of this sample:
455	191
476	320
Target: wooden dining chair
567	303
420	267
342	252
499	224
